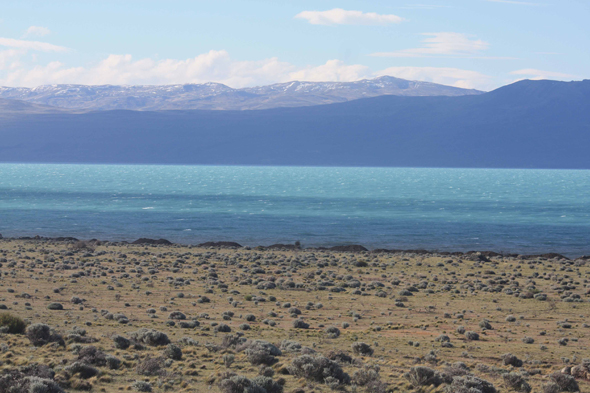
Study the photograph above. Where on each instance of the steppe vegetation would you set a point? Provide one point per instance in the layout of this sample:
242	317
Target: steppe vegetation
106	317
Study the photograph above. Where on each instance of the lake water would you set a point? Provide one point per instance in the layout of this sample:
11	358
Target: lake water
525	211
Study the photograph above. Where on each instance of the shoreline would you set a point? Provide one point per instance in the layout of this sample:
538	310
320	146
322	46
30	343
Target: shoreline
482	255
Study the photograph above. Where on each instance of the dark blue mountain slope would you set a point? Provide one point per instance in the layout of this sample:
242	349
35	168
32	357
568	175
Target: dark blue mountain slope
529	124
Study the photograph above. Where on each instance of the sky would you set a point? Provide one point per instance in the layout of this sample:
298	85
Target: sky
481	44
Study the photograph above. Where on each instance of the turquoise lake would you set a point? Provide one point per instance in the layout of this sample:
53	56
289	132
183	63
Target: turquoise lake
524	211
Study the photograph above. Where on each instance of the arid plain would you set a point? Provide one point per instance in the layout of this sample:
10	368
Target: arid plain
113	317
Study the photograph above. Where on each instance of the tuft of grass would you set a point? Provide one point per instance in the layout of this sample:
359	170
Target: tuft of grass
14	324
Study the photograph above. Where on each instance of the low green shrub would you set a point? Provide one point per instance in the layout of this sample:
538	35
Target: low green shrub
14	324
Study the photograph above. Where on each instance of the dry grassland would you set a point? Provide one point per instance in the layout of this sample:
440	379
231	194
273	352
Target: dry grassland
430	322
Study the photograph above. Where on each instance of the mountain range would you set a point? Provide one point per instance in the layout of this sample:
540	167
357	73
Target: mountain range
14	107
217	96
528	124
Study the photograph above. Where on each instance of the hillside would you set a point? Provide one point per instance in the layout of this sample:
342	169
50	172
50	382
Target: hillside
530	124
17	107
220	97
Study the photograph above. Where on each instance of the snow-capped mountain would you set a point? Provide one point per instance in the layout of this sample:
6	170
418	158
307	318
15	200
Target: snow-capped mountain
221	97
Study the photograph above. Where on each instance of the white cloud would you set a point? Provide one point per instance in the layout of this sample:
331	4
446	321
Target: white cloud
532	73
213	66
38	31
447	76
32	45
9	58
338	16
454	44
333	70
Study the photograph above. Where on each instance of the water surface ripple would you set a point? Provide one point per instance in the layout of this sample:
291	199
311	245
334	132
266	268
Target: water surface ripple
525	211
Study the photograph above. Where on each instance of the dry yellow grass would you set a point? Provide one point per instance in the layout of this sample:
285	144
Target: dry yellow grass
451	293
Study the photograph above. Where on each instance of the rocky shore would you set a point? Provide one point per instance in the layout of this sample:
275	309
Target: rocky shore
354	248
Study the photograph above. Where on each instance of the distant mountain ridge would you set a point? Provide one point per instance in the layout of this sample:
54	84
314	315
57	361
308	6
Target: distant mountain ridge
16	107
529	124
216	96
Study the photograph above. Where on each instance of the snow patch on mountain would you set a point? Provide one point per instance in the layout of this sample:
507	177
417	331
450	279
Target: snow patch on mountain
213	95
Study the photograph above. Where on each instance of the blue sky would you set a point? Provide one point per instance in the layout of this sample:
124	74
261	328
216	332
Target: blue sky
480	44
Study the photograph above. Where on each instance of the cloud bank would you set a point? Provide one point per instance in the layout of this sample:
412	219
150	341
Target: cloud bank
338	16
214	66
123	69
16	69
438	44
